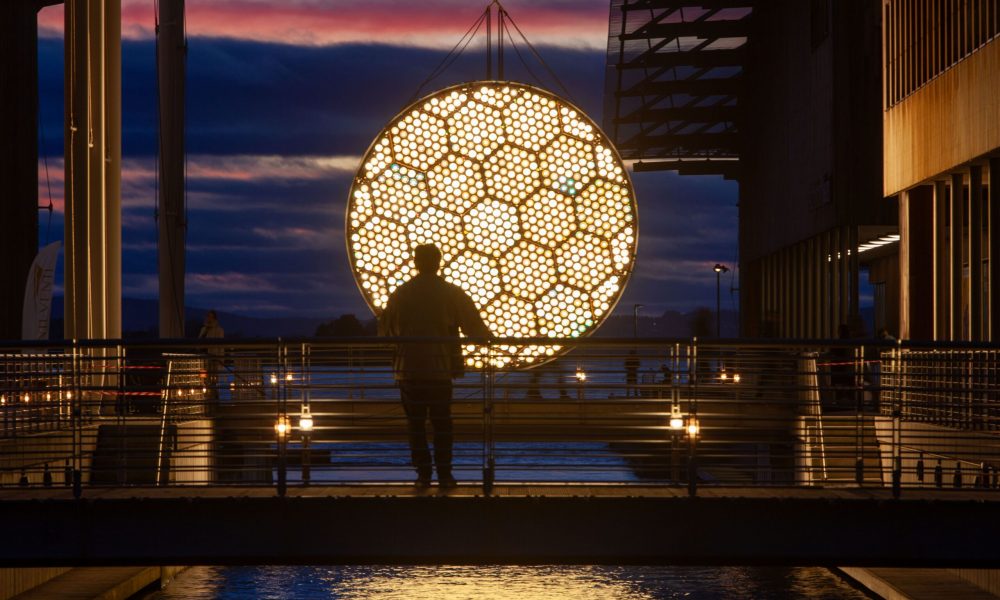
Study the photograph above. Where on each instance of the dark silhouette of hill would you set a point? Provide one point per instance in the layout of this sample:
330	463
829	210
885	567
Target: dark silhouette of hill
140	317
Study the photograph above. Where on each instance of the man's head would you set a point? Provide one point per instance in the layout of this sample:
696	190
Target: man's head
427	258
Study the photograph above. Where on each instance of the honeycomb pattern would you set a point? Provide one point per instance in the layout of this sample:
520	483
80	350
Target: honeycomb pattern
564	311
512	174
526	198
476	130
568	165
548	218
528	270
455	184
604	208
532	120
419	140
435	226
492	227
478	275
584	258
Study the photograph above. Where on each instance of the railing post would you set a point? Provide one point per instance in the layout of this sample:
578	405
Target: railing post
306	386
897	433
489	459
693	418
283	425
859	416
77	427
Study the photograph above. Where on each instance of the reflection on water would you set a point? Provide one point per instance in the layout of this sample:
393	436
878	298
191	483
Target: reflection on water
523	583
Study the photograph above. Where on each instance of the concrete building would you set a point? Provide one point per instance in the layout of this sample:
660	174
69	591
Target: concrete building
941	121
859	131
784	97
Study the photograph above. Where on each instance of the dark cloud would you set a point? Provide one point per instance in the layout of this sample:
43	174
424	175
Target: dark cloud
272	242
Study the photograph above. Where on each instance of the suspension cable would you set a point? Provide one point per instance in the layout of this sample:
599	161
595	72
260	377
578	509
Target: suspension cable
538	56
450	58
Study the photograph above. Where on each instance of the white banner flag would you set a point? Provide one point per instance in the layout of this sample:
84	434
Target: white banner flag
38	294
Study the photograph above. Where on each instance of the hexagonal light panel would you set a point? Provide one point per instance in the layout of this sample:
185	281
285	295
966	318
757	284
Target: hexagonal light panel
523	193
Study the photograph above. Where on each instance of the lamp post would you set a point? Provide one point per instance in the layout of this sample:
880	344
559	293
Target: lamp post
719	270
305	428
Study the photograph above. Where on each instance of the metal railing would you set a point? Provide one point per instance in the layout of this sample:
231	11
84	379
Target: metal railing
638	412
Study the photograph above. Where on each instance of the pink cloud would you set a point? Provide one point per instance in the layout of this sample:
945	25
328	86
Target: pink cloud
210	283
431	23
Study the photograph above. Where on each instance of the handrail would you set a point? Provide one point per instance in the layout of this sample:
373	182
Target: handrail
540	425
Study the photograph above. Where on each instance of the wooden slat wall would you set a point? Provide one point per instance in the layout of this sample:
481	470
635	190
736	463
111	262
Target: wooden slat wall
923	38
959	107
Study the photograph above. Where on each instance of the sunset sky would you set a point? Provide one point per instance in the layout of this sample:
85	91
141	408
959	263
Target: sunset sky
285	96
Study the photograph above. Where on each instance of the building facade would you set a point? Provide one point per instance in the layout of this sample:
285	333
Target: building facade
941	122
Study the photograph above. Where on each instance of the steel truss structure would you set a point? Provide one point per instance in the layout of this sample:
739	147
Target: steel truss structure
672	87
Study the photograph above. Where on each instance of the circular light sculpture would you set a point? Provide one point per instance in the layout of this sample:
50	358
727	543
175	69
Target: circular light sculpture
527	199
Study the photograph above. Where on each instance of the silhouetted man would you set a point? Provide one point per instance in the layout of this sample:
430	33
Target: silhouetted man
429	306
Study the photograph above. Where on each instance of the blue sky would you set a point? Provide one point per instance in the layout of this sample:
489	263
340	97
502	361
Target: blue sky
284	97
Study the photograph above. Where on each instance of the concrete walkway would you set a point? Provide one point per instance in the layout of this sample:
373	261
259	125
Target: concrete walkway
95	583
916	584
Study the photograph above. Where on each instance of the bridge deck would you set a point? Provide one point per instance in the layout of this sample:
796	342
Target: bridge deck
506	490
538	524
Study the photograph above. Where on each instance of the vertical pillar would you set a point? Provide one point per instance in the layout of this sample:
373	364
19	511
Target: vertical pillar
170	207
796	251
772	291
834	281
853	275
779	294
813	304
955	304
790	276
93	164
975	253
994	248
940	261
844	276
18	157
788	294
916	252
824	285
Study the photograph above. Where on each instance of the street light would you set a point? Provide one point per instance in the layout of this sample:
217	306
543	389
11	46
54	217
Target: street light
635	319
719	270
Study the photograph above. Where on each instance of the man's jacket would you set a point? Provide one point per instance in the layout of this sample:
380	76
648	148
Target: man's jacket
429	306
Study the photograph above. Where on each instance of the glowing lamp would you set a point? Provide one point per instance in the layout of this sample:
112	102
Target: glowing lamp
527	199
274	379
736	378
723	376
581	375
693	427
305	420
676	419
289	377
282	426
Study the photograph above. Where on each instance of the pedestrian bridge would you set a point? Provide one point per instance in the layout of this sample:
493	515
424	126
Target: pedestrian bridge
279	451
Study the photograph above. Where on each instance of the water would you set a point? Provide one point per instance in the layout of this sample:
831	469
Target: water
520	582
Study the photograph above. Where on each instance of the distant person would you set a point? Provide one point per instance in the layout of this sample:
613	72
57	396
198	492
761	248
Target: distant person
211	329
631	374
883	334
429	306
